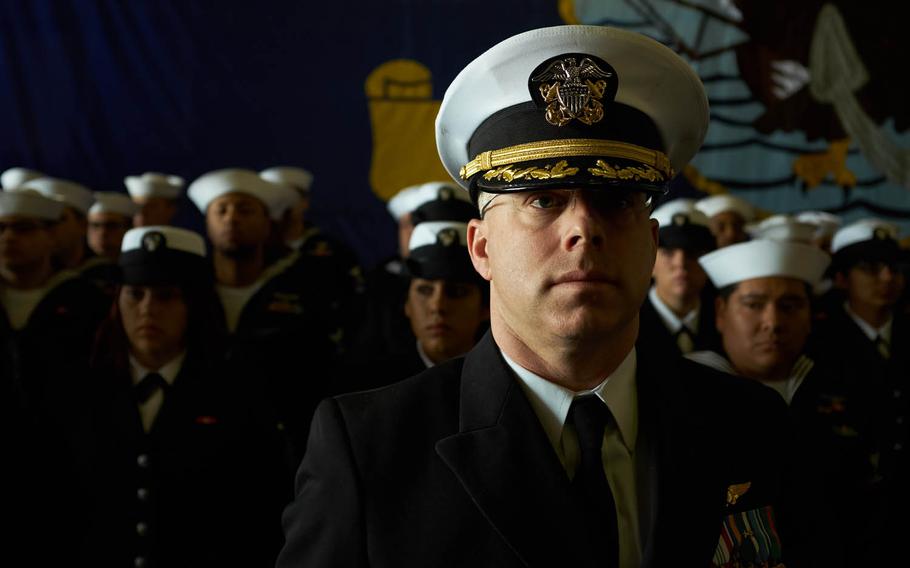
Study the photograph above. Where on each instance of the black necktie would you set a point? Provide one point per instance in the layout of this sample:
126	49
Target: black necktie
148	386
590	416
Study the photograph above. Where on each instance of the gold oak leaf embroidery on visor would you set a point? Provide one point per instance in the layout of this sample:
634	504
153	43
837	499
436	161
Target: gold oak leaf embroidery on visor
645	172
510	173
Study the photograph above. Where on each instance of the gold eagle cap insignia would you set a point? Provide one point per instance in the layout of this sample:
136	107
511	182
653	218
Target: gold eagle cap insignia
735	491
447	237
152	241
573	90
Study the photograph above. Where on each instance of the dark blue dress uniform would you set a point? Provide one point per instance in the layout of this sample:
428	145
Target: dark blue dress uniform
452	468
385	330
882	384
655	337
57	337
341	282
287	341
203	487
103	273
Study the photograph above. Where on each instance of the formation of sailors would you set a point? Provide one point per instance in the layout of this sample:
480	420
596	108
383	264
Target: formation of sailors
174	376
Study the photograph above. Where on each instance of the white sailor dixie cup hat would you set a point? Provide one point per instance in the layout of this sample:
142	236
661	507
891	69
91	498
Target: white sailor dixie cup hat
15	177
783	227
212	185
717	204
296	178
572	106
154	184
764	258
67	192
30	203
113	202
826	224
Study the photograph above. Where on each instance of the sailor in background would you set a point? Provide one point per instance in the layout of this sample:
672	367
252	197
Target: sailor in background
764	318
826	224
794	229
70	231
157	196
447	306
177	460
385	330
868	335
782	227
318	252
281	319
109	218
12	178
679	312
49	316
729	215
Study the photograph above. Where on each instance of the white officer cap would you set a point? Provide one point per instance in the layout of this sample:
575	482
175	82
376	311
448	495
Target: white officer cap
683	226
438	250
173	238
298	178
716	204
113	202
866	240
763	258
572	106
212	185
410	198
159	254
68	192
783	228
15	177
154	184
680	211
864	230
29	203
439	233
826	224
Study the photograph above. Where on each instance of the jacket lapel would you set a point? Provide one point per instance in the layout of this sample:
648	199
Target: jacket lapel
505	462
680	497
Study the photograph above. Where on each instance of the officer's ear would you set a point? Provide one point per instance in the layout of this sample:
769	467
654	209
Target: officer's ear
477	247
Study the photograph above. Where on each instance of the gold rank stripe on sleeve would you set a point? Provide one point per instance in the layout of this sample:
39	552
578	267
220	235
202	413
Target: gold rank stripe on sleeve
748	538
571	147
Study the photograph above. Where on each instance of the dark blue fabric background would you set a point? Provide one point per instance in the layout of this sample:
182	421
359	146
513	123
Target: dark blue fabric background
95	90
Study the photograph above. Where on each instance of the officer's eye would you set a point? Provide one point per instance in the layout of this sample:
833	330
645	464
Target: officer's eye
425	289
545	200
622	201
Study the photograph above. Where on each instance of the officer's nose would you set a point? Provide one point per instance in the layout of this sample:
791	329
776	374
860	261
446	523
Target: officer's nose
584	225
